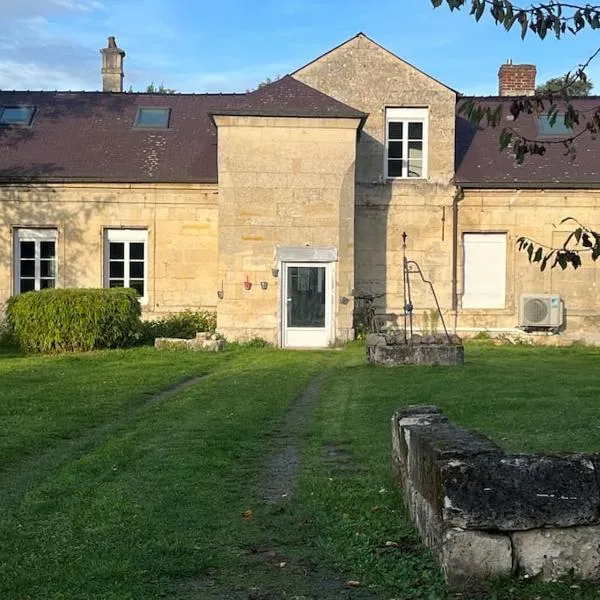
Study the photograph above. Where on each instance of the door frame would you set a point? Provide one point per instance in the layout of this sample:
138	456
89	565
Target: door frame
330	282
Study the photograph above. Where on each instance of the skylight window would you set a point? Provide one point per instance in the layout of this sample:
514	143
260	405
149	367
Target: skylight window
153	118
16	115
546	127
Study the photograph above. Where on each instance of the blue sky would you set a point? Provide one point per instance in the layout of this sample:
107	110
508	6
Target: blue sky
232	45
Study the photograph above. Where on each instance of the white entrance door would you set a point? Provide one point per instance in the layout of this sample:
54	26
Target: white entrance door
307	293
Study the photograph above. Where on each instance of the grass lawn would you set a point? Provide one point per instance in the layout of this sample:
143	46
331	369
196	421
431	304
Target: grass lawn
110	490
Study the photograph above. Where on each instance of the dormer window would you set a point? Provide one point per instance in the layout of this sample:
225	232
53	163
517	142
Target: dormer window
152	118
16	115
406	143
546	127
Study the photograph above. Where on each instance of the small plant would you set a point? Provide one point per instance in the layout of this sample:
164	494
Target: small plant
179	325
482	336
74	320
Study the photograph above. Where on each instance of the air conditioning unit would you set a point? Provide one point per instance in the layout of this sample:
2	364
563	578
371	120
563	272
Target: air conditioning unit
543	311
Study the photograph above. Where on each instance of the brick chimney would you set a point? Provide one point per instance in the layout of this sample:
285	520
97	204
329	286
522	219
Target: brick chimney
112	67
516	80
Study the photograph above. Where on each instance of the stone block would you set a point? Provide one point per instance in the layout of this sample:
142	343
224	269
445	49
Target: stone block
518	492
553	553
421	354
475	555
376	339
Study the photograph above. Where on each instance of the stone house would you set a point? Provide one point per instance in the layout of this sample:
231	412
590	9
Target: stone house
279	206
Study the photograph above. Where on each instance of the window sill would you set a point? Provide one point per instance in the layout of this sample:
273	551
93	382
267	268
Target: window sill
405	179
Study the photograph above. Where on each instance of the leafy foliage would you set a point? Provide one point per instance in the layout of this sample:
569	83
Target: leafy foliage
582	240
574	87
557	18
159	89
74	320
181	325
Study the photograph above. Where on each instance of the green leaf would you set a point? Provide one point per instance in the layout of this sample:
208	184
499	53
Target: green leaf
538	255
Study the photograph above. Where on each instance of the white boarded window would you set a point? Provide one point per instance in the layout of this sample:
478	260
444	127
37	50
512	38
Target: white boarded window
484	270
126	260
34	259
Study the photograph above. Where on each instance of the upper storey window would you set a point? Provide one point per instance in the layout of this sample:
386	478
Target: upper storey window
153	118
16	115
406	142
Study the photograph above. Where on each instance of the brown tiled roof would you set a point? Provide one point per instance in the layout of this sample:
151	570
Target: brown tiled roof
289	97
481	163
89	136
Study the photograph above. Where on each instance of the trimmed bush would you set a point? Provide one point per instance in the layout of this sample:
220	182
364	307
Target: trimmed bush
74	320
180	325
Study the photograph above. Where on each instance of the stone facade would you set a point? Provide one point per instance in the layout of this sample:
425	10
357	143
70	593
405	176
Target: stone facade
534	213
182	226
292	182
283	182
364	75
485	512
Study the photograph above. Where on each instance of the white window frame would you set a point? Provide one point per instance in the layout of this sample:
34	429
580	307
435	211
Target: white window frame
472	296
36	235
126	236
406	116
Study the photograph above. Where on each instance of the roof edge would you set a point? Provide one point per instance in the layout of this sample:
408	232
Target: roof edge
528	185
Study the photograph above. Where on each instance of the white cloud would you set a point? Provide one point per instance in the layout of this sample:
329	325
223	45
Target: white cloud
19	76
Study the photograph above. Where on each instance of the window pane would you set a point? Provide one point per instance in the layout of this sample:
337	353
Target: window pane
46	284
27	249
558	128
395	131
306	291
47	250
28	268
27	285
136	250
116	269
395	149
136	270
47	268
152	117
415	131
415	169
116	283
117	250
394	168
415	150
16	115
137	285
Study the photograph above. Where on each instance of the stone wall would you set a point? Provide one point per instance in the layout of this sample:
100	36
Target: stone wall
396	349
283	182
488	513
181	220
368	77
535	214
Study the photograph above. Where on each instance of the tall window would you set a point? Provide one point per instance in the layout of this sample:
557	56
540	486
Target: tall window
34	259
406	142
126	260
484	270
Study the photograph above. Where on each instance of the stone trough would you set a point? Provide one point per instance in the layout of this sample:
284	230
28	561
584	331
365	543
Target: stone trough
485	512
395	349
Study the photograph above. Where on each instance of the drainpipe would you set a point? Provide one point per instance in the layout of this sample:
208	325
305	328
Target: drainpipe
458	196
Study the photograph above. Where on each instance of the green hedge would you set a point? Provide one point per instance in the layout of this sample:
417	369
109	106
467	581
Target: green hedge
68	320
179	325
